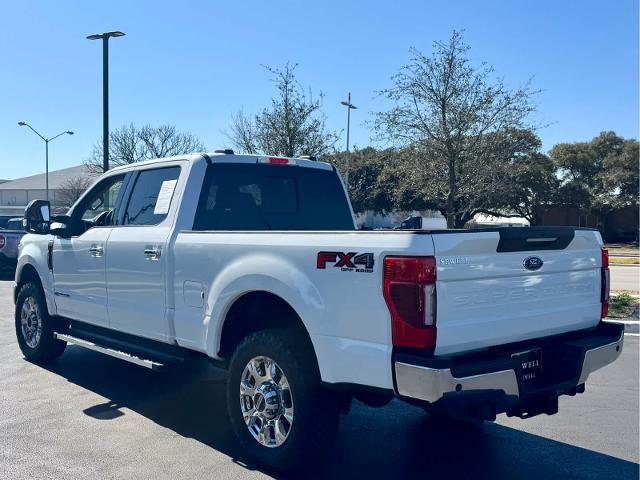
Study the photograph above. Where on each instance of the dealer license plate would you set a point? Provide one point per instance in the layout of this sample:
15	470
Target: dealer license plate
530	364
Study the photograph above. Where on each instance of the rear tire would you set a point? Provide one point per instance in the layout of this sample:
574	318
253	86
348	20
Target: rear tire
291	420
35	327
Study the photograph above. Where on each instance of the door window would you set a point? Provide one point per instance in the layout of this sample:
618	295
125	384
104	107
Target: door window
97	209
151	196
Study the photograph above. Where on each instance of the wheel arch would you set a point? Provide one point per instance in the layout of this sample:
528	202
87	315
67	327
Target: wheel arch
259	310
27	273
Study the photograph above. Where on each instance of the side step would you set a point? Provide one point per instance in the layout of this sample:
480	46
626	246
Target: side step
155	364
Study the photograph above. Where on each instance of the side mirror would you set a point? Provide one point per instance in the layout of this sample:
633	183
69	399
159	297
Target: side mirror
37	216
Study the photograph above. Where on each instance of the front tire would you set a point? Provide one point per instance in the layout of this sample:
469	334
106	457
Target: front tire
279	411
35	327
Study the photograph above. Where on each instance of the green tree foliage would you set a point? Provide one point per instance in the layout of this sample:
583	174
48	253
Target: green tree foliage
601	174
523	181
530	186
621	178
497	189
368	188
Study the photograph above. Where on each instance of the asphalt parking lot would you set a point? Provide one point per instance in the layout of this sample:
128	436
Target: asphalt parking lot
92	416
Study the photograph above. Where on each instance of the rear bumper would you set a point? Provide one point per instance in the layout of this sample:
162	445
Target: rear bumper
495	378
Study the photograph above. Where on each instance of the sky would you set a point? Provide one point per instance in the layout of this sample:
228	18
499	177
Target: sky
195	63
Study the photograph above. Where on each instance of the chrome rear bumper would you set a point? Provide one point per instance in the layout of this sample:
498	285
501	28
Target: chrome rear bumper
599	357
430	384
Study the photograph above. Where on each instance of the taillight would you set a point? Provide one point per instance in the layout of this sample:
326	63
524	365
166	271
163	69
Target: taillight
605	283
410	292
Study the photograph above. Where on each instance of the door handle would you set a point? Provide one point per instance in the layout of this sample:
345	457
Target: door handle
152	253
96	251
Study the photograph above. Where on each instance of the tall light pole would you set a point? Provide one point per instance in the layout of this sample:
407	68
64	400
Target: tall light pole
350	106
46	142
105	92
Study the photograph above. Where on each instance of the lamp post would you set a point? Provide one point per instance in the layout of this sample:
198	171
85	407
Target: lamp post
105	92
350	106
46	142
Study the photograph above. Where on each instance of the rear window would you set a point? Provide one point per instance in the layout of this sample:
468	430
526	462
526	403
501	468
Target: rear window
271	197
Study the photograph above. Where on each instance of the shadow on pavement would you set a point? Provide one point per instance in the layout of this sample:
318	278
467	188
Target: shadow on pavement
7	275
398	441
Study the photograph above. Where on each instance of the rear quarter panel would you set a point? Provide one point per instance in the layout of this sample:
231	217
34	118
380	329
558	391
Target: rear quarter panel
343	310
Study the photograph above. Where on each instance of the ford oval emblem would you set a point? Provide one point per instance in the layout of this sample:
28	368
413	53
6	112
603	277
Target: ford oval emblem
532	263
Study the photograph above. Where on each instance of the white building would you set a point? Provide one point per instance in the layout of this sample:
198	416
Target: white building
16	194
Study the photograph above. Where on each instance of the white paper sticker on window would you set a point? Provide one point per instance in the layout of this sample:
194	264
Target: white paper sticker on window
164	197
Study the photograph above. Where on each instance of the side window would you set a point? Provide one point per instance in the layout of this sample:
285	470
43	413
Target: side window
97	209
151	196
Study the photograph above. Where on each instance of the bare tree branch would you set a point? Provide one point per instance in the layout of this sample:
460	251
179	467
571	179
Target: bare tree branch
131	144
291	126
71	190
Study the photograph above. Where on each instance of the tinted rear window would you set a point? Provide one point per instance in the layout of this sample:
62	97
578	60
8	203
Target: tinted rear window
271	197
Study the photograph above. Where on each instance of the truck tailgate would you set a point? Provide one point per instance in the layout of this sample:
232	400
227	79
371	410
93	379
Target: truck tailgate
489	291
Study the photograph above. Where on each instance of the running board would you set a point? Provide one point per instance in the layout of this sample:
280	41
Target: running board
127	357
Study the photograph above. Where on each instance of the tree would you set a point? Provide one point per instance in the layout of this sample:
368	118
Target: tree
420	180
579	167
71	190
131	144
368	188
530	187
621	177
291	126
601	174
454	113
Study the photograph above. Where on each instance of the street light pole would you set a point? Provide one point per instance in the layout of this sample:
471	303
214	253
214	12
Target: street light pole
46	169
350	107
46	143
105	92
105	104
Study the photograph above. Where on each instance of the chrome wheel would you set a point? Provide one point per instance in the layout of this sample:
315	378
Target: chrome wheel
31	322
266	401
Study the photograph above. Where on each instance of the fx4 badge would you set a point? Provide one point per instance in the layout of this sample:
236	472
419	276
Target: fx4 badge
347	262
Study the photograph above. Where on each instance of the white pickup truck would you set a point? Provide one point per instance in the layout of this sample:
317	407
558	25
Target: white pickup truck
255	263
